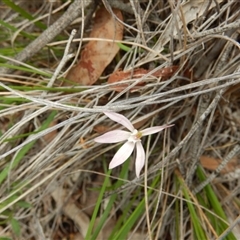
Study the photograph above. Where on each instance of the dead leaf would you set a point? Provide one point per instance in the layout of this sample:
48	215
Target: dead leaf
71	210
119	76
98	54
101	129
211	164
50	136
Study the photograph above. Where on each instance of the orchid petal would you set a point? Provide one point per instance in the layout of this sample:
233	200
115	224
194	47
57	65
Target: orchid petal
113	137
152	130
122	154
140	159
119	118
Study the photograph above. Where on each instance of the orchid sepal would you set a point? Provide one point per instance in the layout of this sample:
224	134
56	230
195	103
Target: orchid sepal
132	138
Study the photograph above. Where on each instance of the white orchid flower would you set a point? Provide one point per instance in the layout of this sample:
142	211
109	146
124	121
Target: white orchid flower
132	138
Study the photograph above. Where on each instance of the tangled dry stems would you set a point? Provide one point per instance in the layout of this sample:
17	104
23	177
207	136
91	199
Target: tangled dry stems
201	99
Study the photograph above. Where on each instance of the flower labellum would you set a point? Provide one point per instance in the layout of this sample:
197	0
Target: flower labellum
132	138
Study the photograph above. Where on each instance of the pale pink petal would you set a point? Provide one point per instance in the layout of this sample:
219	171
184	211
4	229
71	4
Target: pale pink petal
113	136
156	129
122	154
119	118
140	159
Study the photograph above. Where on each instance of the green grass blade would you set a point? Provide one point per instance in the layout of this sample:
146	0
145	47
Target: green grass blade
14	29
23	13
177	209
196	220
24	69
123	47
112	199
216	206
122	219
33	88
97	207
136	214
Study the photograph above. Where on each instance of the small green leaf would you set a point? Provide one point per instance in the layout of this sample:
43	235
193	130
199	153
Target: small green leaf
15	226
5	238
23	204
124	47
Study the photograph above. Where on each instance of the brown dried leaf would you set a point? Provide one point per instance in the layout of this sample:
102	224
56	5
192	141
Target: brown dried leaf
50	136
71	210
101	129
98	54
211	164
119	76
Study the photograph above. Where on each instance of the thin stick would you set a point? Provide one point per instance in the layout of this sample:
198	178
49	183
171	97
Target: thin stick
221	29
66	57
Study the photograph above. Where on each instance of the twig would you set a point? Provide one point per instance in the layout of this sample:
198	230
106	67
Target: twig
66	57
195	151
220	29
224	57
